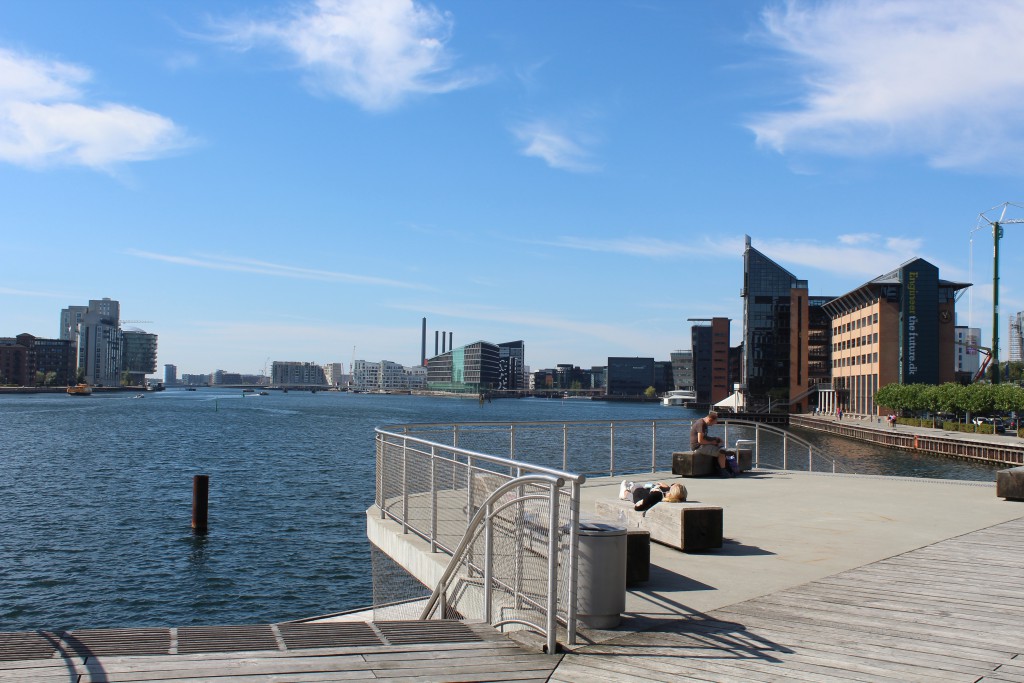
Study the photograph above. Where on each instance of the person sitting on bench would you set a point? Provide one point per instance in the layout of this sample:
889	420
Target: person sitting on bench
711	446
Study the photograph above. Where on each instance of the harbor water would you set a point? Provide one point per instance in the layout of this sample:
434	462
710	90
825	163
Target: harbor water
96	494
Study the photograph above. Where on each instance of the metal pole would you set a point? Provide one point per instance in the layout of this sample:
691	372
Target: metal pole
552	625
405	487
757	445
654	446
512	442
565	445
997	232
433	501
488	565
785	450
574	551
381	457
611	452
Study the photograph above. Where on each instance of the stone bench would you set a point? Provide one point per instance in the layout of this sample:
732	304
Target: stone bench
684	526
1010	483
691	464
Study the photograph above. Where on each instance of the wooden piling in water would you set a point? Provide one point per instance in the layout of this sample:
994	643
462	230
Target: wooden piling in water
200	502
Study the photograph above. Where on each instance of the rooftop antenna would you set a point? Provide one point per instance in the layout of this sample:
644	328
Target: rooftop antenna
997	234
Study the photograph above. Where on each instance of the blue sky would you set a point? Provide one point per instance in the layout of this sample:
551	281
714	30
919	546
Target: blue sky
289	180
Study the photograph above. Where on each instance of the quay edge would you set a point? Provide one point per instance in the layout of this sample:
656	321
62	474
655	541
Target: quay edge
986	448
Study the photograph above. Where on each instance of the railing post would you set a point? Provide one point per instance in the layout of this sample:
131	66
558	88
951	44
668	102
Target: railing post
810	460
433	500
654	446
552	621
757	445
574	552
488	565
511	442
611	452
785	449
565	446
725	435
469	489
381	467
405	487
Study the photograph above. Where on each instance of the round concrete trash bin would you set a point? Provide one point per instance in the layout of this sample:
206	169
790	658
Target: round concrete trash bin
601	591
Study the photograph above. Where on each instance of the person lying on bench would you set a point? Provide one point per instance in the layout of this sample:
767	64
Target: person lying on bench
701	443
646	496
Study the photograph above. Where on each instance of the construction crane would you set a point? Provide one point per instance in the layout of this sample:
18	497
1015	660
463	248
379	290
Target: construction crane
997	234
983	350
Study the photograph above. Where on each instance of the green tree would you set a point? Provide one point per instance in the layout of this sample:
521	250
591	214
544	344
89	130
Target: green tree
650	392
40	378
51	377
950	397
890	396
80	376
1008	397
979	398
126	379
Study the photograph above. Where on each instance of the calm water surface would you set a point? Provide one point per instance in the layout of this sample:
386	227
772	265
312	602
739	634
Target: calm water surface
96	499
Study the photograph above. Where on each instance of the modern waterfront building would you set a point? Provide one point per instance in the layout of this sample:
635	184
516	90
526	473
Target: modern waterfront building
170	375
138	355
297	374
786	334
334	372
629	376
898	327
512	366
27	360
99	343
473	369
966	357
415	377
682	369
709	341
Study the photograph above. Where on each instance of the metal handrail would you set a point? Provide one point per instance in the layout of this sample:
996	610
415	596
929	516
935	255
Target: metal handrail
485	515
612	426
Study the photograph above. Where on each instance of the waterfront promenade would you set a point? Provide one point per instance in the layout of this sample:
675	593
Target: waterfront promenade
821	578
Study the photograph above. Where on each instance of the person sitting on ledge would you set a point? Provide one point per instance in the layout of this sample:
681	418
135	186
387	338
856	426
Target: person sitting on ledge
646	496
701	443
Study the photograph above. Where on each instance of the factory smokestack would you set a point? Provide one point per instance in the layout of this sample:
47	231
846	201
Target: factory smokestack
450	343
444	338
435	344
423	344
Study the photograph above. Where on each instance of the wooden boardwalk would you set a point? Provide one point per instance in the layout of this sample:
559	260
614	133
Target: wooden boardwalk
950	611
422	652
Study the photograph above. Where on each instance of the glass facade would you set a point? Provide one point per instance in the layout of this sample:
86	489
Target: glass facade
766	294
469	369
630	376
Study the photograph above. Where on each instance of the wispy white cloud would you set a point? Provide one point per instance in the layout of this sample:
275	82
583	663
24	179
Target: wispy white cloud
939	78
25	292
646	247
43	122
558	148
244	265
375	53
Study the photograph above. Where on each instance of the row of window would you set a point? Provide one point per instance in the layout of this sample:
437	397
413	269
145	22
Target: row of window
858	341
856	324
862	359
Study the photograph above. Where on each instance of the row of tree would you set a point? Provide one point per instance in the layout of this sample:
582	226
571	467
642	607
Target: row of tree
976	399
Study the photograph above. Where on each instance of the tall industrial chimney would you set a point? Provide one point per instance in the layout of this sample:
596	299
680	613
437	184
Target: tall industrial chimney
451	345
444	337
423	344
436	353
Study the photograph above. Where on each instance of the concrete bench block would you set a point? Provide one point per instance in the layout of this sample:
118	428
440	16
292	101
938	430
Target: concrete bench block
1010	483
690	464
684	526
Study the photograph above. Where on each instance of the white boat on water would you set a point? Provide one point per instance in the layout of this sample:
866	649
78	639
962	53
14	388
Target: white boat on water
679	397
